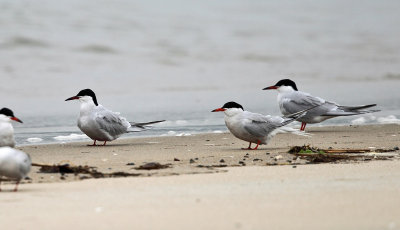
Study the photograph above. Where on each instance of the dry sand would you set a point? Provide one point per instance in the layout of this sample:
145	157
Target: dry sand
351	195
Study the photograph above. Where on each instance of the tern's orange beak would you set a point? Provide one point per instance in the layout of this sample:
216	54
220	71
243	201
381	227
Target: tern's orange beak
218	110
271	87
72	98
16	119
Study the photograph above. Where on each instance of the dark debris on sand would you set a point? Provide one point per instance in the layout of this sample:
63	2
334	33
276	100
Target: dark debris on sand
152	166
90	172
317	155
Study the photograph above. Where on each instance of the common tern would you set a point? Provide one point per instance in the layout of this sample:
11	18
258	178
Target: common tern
291	100
100	123
14	165
256	128
6	128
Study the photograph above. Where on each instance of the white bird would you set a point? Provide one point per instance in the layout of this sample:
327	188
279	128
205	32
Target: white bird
101	124
291	100
6	128
254	127
14	164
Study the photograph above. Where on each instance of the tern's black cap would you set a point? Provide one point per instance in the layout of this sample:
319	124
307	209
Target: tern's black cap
88	92
287	82
232	104
7	112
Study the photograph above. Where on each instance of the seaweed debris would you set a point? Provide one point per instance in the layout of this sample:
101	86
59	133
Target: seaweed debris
76	170
152	166
317	155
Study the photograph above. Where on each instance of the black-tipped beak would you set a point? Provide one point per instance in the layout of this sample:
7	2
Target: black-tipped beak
218	110
16	119
72	98
270	87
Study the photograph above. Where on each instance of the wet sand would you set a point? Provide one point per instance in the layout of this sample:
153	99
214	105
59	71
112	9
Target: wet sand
350	195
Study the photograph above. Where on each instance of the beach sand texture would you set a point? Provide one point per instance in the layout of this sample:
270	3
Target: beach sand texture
350	195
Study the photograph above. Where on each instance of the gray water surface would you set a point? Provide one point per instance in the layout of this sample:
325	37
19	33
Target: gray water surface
177	60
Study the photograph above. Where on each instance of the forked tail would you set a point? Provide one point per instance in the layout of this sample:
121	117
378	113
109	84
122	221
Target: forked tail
138	127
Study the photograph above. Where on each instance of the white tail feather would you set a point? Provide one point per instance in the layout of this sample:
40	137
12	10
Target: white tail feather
290	130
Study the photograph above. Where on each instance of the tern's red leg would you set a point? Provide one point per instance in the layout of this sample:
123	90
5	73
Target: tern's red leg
303	126
94	143
248	148
104	143
258	143
16	186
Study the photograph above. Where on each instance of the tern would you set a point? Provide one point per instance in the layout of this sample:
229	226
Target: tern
14	165
256	128
291	100
6	128
100	123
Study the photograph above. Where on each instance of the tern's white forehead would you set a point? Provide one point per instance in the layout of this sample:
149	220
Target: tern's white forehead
233	111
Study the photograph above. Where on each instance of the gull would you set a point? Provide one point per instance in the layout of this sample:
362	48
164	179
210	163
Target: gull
291	100
14	165
100	123
6	129
256	128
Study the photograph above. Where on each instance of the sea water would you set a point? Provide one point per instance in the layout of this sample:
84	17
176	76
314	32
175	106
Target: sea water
179	59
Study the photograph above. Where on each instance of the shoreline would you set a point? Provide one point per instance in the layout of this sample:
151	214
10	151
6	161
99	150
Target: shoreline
297	126
200	153
225	130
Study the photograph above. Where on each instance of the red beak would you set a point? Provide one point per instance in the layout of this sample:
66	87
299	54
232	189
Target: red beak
72	98
16	119
271	87
218	110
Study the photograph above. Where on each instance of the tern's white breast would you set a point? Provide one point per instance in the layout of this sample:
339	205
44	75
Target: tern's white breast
6	134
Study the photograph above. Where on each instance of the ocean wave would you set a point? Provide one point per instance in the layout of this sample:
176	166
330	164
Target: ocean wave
34	139
176	134
391	119
99	49
72	136
359	121
392	76
20	41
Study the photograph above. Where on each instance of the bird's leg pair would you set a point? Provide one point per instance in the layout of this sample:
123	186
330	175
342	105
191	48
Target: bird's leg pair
16	186
303	126
94	143
249	148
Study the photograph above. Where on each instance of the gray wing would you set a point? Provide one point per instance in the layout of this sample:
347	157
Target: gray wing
298	101
111	122
260	125
25	167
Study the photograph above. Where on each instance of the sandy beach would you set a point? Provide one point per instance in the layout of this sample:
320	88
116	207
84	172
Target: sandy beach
211	183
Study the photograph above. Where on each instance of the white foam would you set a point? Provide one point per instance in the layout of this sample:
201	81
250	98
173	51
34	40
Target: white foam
171	133
34	139
183	134
359	121
218	131
391	119
72	136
